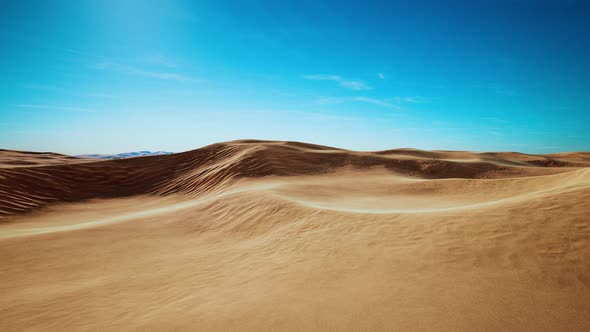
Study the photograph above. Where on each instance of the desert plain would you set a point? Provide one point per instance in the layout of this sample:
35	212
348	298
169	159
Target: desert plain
284	236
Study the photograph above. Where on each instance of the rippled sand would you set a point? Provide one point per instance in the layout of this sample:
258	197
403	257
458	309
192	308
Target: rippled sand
257	235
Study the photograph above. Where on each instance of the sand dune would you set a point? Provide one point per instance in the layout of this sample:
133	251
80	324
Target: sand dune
12	159
264	235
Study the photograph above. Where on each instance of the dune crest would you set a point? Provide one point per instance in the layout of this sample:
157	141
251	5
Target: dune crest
68	179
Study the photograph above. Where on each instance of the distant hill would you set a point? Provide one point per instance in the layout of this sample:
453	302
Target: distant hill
124	155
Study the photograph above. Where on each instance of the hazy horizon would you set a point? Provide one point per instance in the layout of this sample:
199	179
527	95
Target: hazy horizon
119	76
108	153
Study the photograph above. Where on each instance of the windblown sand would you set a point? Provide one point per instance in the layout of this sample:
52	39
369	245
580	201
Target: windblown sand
278	236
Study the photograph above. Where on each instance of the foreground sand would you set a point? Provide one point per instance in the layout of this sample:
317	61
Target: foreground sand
262	236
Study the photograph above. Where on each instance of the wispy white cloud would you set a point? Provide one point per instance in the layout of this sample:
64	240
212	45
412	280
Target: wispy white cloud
362	99
349	84
417	100
394	103
146	73
54	107
355	85
381	76
411	100
377	102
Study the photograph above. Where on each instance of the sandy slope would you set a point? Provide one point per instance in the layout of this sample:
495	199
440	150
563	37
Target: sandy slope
12	159
253	235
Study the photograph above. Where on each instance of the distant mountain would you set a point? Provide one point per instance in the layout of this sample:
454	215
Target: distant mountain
124	155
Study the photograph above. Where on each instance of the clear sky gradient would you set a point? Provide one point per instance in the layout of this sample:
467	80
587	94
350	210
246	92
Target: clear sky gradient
110	76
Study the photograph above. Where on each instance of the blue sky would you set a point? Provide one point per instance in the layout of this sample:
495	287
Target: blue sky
110	76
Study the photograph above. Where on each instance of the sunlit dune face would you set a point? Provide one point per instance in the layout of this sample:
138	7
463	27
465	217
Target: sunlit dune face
384	193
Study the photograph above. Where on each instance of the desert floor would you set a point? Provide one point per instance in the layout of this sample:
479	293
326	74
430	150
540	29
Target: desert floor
259	236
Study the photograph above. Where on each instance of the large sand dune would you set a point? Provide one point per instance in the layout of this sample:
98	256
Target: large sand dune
263	236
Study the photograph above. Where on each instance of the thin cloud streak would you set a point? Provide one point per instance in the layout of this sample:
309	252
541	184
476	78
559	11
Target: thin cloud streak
362	99
146	73
394	103
411	100
348	84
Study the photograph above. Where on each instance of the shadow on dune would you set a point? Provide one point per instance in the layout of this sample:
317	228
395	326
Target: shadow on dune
24	189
